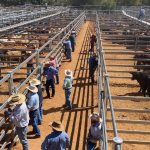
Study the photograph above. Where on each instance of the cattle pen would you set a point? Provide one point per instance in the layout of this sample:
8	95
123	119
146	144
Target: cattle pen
122	48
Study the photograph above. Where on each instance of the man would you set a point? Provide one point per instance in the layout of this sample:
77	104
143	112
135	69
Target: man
95	131
68	48
50	73
58	139
33	106
72	38
93	40
93	63
56	66
67	86
19	116
141	13
37	83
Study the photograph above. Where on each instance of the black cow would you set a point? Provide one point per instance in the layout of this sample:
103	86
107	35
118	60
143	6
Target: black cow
143	78
142	62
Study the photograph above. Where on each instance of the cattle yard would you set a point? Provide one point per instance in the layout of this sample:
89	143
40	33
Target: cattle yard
123	49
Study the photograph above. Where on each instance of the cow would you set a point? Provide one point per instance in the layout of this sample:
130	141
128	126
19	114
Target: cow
143	78
141	62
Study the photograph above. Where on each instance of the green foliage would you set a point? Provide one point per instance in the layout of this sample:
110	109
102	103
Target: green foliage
107	4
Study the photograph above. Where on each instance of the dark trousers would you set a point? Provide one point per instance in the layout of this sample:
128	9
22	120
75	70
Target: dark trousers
52	84
34	121
73	47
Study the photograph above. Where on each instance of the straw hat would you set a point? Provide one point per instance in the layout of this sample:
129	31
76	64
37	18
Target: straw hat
35	82
57	125
32	88
68	73
47	64
52	57
17	99
73	32
95	117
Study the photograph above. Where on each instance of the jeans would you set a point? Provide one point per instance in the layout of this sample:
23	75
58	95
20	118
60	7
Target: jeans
73	46
67	96
22	134
40	113
90	145
68	53
34	121
50	83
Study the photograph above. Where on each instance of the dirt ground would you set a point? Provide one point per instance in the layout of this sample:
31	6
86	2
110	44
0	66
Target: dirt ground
84	100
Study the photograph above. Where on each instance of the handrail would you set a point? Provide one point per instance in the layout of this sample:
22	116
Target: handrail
104	90
136	19
76	26
101	102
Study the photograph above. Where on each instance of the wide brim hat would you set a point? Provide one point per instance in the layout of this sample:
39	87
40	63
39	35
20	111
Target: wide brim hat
47	63
68	73
35	82
17	99
95	117
56	125
32	88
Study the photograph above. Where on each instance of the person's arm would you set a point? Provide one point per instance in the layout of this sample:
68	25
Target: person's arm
45	144
64	85
67	142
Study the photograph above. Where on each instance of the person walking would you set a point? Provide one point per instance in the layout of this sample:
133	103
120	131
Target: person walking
95	131
67	86
72	38
18	114
141	14
68	48
56	66
50	81
37	83
58	139
33	106
93	40
93	63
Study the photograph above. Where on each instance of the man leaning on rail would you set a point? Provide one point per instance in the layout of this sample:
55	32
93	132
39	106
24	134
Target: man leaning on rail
18	114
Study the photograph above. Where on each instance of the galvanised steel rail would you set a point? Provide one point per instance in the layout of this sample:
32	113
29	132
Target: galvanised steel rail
31	21
105	94
74	25
135	19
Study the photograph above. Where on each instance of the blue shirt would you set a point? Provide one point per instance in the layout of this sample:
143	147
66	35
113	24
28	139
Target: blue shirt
32	101
67	44
56	141
51	72
20	115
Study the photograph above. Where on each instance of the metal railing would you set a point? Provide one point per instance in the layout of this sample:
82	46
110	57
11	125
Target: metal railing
57	50
104	94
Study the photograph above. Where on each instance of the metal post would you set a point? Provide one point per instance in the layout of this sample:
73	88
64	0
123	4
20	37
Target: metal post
117	143
10	82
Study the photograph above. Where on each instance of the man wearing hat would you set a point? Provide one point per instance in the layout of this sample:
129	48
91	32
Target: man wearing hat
19	116
95	131
72	38
37	83
67	86
50	73
33	106
58	139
